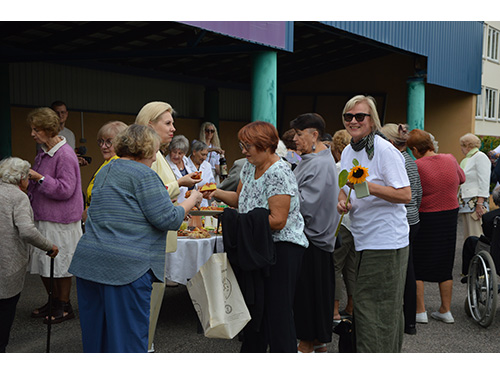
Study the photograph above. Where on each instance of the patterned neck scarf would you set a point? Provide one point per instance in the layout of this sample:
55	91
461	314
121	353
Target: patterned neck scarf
367	143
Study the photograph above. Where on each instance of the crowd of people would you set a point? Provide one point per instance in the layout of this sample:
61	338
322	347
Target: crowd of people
396	230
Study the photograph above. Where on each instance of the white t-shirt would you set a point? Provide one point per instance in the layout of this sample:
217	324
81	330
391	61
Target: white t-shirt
377	224
206	175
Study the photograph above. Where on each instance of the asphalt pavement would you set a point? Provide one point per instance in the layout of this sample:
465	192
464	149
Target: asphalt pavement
177	325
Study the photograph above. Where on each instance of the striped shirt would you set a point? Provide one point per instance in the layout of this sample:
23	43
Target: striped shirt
127	225
416	190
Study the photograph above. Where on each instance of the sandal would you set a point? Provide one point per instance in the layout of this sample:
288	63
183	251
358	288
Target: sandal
62	311
42	312
320	348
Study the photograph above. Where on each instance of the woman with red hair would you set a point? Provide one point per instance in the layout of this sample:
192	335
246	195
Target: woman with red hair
267	182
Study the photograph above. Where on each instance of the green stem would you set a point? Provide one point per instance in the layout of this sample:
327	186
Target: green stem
340	222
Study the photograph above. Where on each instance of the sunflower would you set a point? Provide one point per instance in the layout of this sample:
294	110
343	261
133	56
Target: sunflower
357	174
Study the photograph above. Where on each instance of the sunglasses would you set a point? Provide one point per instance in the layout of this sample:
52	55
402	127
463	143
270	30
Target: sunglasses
209	130
358	116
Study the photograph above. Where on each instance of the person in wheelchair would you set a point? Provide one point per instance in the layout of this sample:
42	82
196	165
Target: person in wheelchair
470	243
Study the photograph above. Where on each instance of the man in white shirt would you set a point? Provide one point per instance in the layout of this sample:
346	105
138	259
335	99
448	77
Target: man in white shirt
61	109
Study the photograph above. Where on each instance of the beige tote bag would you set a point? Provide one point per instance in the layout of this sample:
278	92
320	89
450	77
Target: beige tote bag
217	299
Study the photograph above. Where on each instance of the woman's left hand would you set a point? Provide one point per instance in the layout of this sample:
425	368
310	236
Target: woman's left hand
34	175
480	210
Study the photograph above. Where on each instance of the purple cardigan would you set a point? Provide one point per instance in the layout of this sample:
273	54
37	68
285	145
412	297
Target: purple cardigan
59	198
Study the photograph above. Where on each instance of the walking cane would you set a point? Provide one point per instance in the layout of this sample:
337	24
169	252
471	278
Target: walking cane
51	286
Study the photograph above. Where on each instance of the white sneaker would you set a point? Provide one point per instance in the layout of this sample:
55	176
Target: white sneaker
152	350
446	317
422	318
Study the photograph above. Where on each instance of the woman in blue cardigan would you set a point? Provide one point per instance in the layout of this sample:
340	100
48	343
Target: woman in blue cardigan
123	249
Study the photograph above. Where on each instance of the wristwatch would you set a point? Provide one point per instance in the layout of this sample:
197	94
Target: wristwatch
41	180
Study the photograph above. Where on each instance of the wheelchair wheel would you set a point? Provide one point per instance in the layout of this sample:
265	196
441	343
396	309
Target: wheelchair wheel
482	289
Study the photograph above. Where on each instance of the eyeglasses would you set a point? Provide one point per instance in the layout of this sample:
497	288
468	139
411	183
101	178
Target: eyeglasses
209	130
107	142
245	146
358	116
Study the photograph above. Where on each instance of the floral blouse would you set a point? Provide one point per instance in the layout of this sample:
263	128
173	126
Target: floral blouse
277	180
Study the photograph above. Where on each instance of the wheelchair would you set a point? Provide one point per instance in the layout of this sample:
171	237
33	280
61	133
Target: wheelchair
482	280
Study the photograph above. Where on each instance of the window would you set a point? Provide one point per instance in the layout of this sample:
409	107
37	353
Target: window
479	104
493	39
490	103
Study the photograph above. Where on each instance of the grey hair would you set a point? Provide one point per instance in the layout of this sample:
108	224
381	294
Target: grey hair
179	142
13	170
495	195
198	146
281	150
434	142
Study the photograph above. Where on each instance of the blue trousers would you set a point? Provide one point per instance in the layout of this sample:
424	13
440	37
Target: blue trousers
115	319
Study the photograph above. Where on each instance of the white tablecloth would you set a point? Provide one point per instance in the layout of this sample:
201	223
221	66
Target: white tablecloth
190	256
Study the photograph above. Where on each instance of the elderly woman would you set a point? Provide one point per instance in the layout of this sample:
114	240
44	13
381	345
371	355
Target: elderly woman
197	161
16	230
317	180
397	134
379	228
105	137
178	161
268	182
57	201
209	136
158	116
123	249
474	193
344	257
434	247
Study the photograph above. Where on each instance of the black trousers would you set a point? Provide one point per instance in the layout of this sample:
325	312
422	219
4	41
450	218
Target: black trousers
410	294
278	329
7	314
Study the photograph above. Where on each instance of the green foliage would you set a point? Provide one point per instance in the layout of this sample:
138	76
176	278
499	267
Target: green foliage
488	142
343	178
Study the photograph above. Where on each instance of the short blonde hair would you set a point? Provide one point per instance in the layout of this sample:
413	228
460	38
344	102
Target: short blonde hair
111	128
469	141
340	140
372	104
151	111
137	141
13	170
44	119
397	133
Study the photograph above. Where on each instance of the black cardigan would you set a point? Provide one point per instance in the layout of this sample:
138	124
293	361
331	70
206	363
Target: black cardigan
250	249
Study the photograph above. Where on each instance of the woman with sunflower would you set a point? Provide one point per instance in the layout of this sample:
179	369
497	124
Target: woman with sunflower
317	179
379	228
434	248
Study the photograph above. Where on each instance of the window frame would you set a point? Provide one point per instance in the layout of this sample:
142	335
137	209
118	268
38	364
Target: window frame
490	103
492	44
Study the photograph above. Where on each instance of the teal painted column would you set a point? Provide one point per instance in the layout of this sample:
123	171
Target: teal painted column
264	87
5	130
212	105
415	114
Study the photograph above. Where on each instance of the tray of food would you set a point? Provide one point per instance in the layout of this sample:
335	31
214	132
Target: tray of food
206	211
196	233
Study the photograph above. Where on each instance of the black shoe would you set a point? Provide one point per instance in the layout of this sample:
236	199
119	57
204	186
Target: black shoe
411	330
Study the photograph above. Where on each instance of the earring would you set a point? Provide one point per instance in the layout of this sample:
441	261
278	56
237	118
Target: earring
314	147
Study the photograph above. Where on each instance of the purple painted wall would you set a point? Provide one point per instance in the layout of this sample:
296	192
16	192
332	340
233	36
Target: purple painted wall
270	33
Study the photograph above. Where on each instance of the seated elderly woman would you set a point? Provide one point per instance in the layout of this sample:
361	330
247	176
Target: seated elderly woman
17	229
474	193
123	249
177	159
197	161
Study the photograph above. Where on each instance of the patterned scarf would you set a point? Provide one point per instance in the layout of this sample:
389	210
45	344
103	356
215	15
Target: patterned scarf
367	143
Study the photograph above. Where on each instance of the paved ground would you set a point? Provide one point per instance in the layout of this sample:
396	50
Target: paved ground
177	326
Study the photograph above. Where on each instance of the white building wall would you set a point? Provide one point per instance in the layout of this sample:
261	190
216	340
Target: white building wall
489	125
